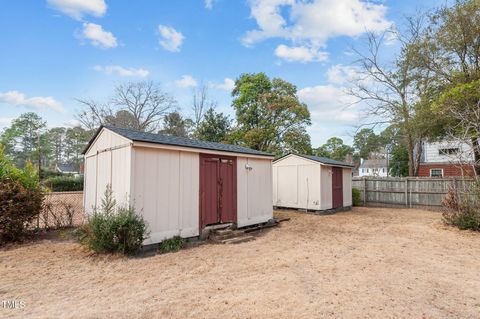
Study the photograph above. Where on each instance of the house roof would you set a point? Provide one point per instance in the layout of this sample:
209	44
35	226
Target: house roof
320	159
67	168
374	163
138	136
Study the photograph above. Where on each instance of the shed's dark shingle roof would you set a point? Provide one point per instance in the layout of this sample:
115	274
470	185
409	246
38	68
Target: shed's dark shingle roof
320	159
179	141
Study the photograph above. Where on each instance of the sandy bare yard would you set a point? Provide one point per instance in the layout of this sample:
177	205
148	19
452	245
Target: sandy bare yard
370	262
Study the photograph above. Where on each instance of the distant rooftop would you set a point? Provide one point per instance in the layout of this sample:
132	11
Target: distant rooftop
374	163
320	159
67	168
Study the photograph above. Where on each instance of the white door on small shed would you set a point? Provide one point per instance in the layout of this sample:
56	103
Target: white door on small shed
296	183
107	162
287	186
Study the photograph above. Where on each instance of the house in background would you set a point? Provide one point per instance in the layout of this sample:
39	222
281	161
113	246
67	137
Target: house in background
446	159
68	169
373	167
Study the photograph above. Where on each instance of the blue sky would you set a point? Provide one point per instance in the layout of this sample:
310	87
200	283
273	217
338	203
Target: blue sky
54	51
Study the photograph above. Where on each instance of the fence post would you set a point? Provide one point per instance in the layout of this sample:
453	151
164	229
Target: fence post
406	192
364	191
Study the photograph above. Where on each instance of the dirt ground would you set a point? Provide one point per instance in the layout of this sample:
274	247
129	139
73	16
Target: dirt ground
366	263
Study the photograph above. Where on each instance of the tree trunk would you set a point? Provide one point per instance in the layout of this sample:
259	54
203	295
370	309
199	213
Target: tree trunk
410	155
476	153
418	157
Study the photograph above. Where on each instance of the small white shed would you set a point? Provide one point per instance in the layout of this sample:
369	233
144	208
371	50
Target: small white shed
311	182
179	185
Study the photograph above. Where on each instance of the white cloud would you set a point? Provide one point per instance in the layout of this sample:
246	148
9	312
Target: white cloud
122	71
329	104
227	85
341	74
37	102
97	36
209	4
171	39
301	54
72	123
311	24
78	8
5	121
186	81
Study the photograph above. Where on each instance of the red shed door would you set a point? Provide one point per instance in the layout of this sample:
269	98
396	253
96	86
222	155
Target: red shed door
218	191
337	187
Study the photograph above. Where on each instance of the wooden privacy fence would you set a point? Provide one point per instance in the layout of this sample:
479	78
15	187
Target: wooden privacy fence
408	191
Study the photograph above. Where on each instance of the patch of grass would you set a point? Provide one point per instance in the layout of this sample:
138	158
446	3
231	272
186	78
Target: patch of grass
171	245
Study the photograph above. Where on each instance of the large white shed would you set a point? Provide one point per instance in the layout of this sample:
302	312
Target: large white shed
311	183
179	185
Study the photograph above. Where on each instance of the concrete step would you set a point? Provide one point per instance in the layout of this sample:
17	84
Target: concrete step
238	240
227	235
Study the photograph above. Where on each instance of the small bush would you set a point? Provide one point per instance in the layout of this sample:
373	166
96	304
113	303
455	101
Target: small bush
113	229
464	213
19	208
171	245
356	197
64	183
21	199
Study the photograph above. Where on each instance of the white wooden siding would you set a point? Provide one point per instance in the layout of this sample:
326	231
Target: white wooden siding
326	187
166	192
254	191
432	155
347	186
107	162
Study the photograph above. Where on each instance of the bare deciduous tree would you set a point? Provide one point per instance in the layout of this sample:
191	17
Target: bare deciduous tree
200	104
135	105
391	91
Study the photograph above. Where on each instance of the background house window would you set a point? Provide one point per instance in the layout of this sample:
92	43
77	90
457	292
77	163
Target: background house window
436	172
448	151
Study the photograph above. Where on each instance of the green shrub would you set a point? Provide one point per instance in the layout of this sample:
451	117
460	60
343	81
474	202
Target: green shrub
171	245
21	199
356	197
45	173
464	213
64	183
19	208
113	229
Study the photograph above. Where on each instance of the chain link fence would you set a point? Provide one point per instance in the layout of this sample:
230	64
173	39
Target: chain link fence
62	209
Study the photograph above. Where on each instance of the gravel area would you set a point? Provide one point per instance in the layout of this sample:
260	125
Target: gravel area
365	263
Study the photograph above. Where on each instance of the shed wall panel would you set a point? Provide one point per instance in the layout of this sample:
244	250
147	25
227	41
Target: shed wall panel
106	139
347	187
107	168
166	191
287	179
293	160
326	187
309	186
254	195
90	185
